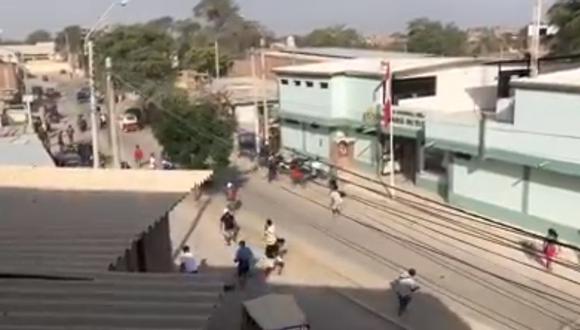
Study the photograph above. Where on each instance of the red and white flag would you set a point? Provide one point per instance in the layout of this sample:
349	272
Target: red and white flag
387	102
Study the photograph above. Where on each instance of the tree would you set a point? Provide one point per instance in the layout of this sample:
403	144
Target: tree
69	40
223	22
142	56
195	135
165	23
426	36
565	14
203	60
333	36
488	43
38	36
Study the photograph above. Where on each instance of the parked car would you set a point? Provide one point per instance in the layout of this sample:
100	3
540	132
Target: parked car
129	123
84	95
52	93
37	91
16	114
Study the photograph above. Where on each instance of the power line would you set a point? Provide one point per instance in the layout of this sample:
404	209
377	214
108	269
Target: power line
462	212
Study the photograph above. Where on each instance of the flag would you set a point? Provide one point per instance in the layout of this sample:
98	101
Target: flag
387	102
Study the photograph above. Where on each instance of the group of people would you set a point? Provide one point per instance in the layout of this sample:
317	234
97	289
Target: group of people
153	163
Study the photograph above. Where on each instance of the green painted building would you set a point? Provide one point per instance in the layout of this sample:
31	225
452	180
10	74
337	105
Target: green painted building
522	164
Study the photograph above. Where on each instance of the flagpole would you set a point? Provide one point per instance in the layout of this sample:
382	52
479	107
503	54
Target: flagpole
388	120
391	132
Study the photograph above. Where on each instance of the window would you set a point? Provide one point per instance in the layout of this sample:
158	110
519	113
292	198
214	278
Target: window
324	85
297	83
414	87
309	84
284	81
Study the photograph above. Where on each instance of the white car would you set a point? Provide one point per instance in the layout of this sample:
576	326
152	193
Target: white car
16	114
130	123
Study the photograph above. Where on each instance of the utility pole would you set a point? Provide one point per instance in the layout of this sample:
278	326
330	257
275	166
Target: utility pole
535	43
112	121
217	58
93	99
264	96
255	97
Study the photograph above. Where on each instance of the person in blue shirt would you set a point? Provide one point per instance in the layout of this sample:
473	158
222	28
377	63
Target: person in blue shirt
244	258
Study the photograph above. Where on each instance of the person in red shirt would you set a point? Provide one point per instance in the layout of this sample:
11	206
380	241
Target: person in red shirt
550	248
138	156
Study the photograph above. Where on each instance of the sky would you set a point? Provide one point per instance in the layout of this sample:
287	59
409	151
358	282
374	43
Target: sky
20	17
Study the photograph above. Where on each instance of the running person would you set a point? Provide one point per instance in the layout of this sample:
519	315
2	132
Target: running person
229	227
335	202
244	258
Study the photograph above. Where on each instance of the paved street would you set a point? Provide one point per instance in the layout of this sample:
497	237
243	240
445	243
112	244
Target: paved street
472	275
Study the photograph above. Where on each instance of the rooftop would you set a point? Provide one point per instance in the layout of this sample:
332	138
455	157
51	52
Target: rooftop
241	90
350	53
61	231
559	80
374	66
22	149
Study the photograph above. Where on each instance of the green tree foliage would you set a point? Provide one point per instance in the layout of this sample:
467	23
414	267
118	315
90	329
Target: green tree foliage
195	135
565	14
165	23
203	60
142	56
333	36
69	40
38	36
223	22
427	36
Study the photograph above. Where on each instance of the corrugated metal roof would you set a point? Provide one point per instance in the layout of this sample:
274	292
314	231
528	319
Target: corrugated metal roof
25	150
56	247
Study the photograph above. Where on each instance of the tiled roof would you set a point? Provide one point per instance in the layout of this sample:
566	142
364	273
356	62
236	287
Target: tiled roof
56	247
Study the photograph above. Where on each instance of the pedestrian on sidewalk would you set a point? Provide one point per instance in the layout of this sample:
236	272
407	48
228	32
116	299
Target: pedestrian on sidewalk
405	285
188	264
335	202
152	161
60	141
229	227
550	248
138	156
244	258
70	132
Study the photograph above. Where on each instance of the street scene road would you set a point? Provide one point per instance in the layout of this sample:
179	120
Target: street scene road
469	278
424	178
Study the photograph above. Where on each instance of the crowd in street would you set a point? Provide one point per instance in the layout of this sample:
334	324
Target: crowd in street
404	286
153	162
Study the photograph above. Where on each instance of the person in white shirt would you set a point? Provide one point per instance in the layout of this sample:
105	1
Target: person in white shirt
335	201
270	233
188	263
405	286
152	161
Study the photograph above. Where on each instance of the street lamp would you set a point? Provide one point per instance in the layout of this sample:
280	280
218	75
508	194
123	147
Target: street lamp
88	41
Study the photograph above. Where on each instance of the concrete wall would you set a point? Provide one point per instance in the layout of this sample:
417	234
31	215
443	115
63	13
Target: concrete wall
555	197
292	136
547	112
246	117
302	100
497	183
533	199
317	141
352	97
459	90
365	149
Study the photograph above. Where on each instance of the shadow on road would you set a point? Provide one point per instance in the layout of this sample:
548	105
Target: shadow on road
532	251
328	307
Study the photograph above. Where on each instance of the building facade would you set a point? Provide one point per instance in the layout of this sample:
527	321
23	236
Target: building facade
332	110
523	167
